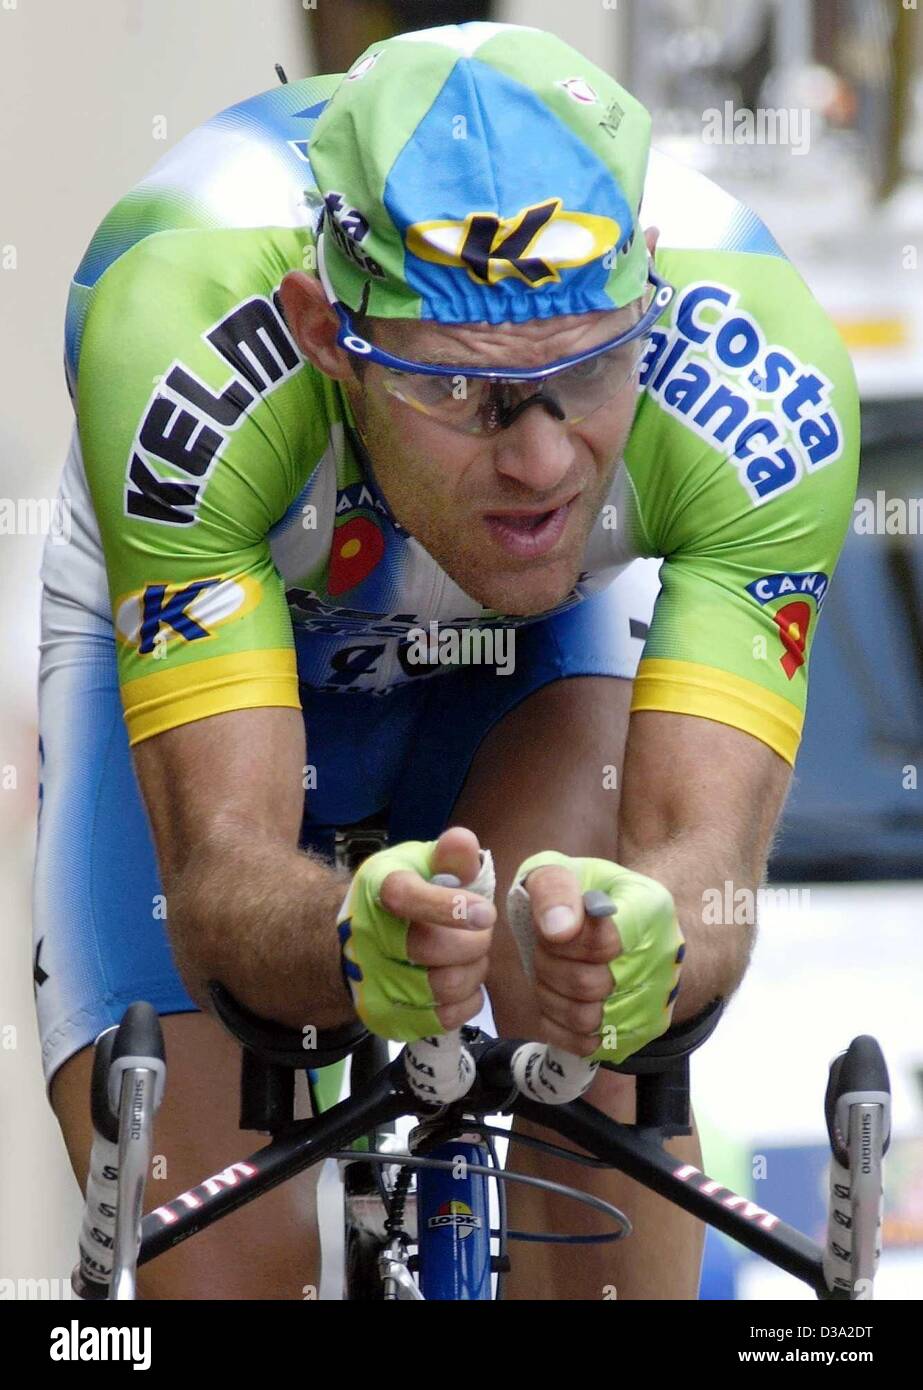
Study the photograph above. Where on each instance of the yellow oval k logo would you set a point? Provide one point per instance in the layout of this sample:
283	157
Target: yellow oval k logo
533	245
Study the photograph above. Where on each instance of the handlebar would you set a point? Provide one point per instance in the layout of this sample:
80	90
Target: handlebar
857	1106
113	1244
127	1087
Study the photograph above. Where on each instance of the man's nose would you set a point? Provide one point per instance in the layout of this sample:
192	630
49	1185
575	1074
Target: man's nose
536	449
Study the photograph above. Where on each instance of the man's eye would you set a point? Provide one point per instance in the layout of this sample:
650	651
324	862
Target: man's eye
454	388
432	389
615	361
589	371
439	388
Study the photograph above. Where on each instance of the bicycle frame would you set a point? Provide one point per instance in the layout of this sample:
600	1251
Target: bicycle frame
453	1224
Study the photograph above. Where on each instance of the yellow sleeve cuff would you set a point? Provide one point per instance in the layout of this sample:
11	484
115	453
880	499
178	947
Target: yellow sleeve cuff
244	680
686	687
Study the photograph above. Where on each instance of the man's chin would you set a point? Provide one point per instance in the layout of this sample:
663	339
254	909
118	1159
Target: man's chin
526	594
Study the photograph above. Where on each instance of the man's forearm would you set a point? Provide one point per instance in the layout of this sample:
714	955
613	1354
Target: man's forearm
700	800
717	950
261	918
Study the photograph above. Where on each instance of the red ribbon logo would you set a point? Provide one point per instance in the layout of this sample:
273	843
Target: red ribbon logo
793	622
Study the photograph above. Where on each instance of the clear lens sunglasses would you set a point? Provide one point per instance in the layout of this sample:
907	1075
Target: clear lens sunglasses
485	400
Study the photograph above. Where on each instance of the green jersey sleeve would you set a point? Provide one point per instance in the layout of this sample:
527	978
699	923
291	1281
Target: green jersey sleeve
199	424
742	462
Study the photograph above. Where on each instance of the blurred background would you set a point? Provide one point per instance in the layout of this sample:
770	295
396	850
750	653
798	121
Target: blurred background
94	93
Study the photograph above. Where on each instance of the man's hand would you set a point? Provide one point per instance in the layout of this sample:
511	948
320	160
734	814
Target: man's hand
571	960
604	990
416	955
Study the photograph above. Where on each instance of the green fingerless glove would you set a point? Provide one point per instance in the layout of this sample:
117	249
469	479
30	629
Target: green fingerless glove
390	993
646	974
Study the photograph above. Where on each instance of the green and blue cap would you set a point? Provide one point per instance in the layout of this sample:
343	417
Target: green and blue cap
481	172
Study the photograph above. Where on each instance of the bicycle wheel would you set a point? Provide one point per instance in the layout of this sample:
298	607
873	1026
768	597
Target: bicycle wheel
362	1279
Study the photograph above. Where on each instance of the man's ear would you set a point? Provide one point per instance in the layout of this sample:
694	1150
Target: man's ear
650	236
313	324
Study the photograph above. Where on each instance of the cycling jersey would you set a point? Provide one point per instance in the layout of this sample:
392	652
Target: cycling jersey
224	511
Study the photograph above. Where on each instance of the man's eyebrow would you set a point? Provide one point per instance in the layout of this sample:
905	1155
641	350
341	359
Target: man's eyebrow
439	357
442	357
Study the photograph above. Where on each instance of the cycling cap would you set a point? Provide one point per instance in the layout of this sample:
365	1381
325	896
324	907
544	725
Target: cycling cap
481	172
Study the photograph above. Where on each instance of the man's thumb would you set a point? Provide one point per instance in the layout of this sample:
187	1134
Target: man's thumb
457	852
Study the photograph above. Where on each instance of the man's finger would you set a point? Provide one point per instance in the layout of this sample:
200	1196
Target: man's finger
436	946
454	1015
453	984
584	1019
578	1044
457	852
556	902
405	894
574	979
597	943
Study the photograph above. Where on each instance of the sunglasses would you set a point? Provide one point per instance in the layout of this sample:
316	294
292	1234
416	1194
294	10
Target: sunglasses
485	400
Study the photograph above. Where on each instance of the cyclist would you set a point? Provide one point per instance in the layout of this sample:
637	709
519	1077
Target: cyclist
299	513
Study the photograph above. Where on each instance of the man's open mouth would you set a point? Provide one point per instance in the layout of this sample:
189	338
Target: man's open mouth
528	534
